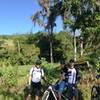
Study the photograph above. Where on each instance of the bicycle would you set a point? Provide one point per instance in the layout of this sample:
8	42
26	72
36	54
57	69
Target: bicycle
55	93
95	91
51	89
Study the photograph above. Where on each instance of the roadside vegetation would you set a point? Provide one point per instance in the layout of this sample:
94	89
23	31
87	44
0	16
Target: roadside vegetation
15	65
18	52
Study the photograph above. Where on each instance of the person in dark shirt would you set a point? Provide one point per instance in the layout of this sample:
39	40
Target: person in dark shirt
60	86
69	77
64	71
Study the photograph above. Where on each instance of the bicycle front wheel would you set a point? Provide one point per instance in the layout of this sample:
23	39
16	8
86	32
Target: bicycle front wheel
45	95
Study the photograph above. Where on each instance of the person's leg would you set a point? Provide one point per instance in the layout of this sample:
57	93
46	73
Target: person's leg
70	92
36	97
75	93
29	92
28	97
62	85
37	90
59	96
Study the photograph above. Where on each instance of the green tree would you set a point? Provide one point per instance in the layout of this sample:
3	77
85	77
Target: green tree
65	46
81	11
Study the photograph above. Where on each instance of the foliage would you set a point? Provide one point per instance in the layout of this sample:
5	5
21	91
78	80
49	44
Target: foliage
30	54
9	76
49	70
63	48
62	42
14	50
24	49
52	73
77	14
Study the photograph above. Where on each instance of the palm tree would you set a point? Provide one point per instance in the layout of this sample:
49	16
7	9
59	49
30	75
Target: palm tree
46	13
66	9
51	9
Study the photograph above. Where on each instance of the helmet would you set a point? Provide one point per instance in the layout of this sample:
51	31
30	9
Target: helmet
38	62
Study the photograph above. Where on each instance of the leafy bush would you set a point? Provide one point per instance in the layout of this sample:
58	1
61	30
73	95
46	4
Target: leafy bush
51	70
9	76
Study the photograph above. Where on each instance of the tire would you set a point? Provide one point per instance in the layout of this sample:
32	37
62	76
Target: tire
45	96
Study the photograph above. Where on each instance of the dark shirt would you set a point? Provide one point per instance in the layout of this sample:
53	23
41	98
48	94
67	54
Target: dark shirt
64	71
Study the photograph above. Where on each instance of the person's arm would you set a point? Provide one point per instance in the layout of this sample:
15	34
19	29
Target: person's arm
43	77
30	76
30	79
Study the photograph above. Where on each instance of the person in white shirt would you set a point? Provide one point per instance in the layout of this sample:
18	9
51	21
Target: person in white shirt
71	74
72	78
35	75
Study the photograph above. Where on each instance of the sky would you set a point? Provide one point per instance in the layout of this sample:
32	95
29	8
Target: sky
15	17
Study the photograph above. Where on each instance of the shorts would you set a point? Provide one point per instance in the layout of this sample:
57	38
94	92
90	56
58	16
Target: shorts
60	86
35	88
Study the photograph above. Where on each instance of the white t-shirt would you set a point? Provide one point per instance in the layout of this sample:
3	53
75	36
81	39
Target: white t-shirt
71	75
37	74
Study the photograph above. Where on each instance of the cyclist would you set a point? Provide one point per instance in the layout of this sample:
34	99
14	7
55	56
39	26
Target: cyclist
60	85
35	76
69	78
73	77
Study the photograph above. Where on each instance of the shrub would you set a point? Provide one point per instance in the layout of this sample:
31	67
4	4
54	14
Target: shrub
9	75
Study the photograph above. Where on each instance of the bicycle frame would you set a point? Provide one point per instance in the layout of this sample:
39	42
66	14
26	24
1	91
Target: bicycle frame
50	89
53	91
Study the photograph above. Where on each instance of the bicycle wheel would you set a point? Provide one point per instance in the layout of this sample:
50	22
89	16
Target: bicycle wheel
45	96
94	93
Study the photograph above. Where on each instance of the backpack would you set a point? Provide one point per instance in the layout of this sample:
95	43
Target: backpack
40	72
36	74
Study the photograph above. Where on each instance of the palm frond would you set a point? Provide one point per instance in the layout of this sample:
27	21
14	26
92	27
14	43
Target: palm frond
36	19
46	5
36	16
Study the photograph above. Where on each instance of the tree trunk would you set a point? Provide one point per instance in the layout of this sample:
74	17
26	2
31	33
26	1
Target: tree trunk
75	49
81	45
51	44
51	52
